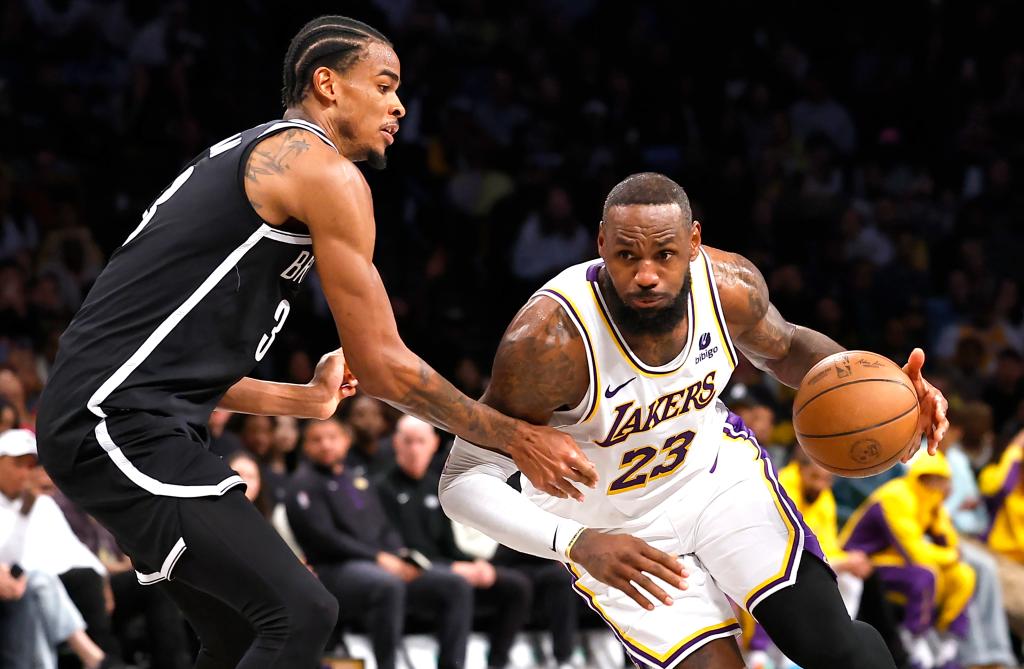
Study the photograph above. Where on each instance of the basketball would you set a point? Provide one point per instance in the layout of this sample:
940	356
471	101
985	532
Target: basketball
855	413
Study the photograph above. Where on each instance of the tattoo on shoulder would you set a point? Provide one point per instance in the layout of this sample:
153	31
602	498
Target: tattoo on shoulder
742	287
274	156
540	366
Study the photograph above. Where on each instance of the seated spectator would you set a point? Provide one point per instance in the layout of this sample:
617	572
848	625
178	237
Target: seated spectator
165	642
756	408
371	454
343	530
279	462
1002	485
36	613
914	548
988	636
409	495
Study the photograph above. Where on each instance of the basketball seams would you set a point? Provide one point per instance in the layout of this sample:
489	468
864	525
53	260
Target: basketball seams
862	429
849	383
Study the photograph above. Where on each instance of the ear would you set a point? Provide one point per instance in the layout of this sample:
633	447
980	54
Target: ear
694	239
600	239
324	84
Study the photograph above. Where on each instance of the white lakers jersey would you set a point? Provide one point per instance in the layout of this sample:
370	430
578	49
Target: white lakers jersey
646	429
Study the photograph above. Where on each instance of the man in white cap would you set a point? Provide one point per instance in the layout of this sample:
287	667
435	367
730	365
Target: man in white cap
36	613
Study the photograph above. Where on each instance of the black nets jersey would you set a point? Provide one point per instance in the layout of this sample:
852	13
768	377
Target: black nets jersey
186	307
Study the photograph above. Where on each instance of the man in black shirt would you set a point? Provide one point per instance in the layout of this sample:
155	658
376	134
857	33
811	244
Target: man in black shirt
409	494
338	520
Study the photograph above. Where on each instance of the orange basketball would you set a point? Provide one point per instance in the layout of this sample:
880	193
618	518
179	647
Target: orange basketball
855	413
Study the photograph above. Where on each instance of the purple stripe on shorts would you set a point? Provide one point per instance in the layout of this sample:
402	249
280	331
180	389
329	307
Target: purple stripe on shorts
734	427
633	649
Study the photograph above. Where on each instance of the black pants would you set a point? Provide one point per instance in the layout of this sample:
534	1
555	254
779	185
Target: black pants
380	600
554	600
85	588
810	625
504	608
249	599
164	625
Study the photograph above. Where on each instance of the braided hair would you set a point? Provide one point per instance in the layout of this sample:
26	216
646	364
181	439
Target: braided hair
336	42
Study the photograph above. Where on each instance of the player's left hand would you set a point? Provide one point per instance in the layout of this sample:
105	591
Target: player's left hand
932	422
334	380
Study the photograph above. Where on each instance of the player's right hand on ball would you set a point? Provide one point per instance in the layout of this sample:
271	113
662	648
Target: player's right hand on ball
622	561
550	460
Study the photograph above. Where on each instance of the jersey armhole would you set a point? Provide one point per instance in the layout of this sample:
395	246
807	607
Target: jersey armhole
274	129
587	407
716	305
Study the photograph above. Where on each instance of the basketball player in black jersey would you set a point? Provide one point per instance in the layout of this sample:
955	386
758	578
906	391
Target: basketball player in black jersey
190	303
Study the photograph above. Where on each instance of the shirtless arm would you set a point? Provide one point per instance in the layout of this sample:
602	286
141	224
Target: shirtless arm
788	351
293	175
541	367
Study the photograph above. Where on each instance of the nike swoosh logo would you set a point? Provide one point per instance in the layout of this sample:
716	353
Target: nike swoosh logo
609	393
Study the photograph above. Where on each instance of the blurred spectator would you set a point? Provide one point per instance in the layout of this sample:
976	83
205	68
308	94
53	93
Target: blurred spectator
409	495
755	406
245	465
1002	484
550	240
257	433
343	529
914	548
35	609
964	504
280	460
1005	389
371	453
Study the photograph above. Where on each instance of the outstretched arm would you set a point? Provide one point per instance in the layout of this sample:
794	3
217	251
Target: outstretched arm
788	351
292	176
541	367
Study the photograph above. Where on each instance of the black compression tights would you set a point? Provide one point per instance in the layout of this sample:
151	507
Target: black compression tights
810	625
252	603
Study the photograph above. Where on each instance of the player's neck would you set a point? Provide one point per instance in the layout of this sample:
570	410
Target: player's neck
303	113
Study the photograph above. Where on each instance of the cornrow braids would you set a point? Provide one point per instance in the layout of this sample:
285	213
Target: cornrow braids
333	41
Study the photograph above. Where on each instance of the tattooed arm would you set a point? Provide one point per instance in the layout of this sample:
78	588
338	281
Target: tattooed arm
293	176
541	367
788	351
768	340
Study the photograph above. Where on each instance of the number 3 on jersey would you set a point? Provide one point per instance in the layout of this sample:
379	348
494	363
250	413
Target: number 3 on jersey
267	340
637	459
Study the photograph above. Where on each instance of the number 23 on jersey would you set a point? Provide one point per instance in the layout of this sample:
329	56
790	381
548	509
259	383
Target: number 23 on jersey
636	460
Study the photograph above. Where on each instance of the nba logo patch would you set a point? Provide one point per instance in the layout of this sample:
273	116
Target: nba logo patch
705	340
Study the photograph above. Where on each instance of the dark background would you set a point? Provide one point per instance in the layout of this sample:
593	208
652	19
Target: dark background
866	156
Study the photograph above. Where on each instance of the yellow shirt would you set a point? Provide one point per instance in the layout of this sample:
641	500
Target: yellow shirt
820	515
1002	484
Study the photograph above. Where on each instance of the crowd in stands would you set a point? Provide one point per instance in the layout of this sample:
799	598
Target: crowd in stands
872	172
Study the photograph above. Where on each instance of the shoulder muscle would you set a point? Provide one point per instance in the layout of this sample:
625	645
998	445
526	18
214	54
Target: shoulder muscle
541	364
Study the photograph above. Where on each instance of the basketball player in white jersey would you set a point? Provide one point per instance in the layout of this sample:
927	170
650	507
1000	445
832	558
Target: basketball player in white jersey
629	354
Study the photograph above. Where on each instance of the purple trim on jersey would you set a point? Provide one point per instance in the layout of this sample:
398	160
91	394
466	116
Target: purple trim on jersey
719	314
735	427
714	465
917	585
994	503
593	271
587	345
873	534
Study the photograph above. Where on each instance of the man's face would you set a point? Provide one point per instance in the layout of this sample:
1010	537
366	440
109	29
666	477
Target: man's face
326	443
367	418
813	481
257	434
647	251
415	443
15	474
760	420
368	107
